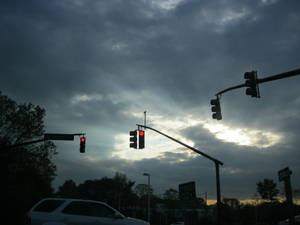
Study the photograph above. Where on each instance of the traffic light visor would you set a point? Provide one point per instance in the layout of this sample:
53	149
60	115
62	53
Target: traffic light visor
249	75
217	116
214	102
132	133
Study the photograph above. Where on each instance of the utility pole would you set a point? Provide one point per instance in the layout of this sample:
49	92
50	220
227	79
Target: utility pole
216	162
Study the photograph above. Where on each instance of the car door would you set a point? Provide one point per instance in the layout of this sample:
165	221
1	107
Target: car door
78	213
104	214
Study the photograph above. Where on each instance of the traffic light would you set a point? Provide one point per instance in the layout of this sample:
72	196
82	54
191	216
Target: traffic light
141	139
252	84
216	109
82	144
133	139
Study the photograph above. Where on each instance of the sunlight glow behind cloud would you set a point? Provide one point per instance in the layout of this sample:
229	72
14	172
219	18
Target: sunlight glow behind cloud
86	97
166	4
244	136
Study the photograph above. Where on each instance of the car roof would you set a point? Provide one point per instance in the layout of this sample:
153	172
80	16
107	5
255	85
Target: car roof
68	200
72	199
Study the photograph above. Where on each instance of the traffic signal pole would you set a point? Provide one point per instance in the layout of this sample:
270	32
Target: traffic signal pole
266	79
26	143
48	137
280	76
231	88
216	161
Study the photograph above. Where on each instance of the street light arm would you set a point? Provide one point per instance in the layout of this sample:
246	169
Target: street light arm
185	145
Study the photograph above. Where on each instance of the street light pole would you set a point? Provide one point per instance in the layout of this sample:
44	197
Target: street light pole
148	175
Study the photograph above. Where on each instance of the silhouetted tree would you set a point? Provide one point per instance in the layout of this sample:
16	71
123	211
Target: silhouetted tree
116	191
27	171
171	198
171	194
267	189
142	190
68	189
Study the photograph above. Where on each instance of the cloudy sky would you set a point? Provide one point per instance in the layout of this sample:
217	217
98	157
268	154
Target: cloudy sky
97	65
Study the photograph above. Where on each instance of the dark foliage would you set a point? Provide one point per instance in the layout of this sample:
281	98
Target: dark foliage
267	189
116	191
27	171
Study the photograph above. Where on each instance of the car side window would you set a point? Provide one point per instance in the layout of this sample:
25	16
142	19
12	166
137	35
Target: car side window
48	205
77	208
100	210
88	209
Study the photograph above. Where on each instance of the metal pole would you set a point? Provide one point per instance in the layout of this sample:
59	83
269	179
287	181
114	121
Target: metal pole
149	198
145	117
218	194
148	211
289	199
25	143
266	79
185	145
231	88
280	76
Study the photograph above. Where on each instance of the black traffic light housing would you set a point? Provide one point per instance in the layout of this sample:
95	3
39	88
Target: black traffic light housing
141	139
133	139
82	144
216	109
252	84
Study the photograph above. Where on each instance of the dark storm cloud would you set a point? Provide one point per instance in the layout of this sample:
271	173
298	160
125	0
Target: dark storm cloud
92	63
63	46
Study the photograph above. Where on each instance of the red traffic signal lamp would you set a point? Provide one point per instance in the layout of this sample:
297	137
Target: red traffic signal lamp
252	84
133	139
82	144
141	139
216	109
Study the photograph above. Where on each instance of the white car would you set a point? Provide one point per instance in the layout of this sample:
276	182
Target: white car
63	211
